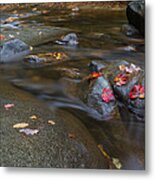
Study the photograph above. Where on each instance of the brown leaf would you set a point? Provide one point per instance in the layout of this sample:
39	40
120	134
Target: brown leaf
71	135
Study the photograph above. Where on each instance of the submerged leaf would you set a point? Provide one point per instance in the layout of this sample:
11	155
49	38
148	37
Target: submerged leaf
20	125
29	131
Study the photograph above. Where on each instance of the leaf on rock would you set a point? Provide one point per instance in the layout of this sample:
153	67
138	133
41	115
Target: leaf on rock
107	95
121	79
95	75
129	69
29	131
20	125
51	122
8	106
117	163
138	91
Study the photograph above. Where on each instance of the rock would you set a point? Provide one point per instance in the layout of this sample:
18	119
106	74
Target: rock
122	92
53	146
45	58
129	30
35	36
103	110
136	15
70	39
13	50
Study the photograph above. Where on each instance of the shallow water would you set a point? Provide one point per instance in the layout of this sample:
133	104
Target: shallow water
100	38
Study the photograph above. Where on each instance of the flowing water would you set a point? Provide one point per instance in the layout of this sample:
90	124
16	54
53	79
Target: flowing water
59	85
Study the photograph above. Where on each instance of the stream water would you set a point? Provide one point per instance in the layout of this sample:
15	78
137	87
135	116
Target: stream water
59	85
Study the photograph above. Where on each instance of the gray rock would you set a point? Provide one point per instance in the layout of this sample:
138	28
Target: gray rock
13	50
103	110
70	39
52	146
129	30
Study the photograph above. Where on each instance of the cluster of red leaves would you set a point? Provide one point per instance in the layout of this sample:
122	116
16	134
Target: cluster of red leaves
121	79
107	95
138	91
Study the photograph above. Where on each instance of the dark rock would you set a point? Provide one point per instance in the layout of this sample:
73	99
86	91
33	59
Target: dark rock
103	110
52	146
129	30
122	92
70	39
13	50
136	15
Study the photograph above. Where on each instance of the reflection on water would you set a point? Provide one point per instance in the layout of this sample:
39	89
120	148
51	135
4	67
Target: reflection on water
99	38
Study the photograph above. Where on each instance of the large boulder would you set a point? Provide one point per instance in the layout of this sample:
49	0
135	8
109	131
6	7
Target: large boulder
136	15
65	143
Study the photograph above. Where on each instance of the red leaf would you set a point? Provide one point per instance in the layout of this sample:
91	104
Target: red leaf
121	79
107	95
138	91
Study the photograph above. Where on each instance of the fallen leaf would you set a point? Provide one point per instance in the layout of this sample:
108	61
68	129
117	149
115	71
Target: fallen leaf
33	117
29	131
103	151
121	79
117	163
8	106
107	95
51	122
71	135
138	91
20	125
2	37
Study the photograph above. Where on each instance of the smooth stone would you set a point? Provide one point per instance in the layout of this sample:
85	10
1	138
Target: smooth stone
52	146
13	50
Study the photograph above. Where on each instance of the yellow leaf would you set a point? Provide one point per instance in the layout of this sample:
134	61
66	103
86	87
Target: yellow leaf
51	122
117	163
103	151
20	125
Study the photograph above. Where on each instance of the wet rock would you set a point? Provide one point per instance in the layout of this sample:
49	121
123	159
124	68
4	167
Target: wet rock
35	36
52	146
70	39
13	50
136	15
122	92
129	30
104	110
45	58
